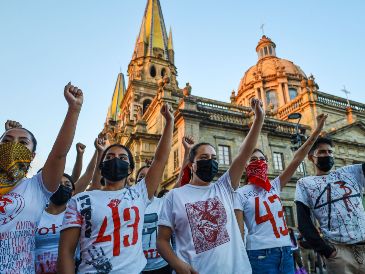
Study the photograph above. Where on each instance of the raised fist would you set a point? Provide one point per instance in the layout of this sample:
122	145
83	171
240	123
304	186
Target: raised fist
188	142
80	148
167	113
257	108
321	118
73	96
12	124
100	144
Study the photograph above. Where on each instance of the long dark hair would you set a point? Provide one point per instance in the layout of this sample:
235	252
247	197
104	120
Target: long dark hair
32	138
194	150
130	156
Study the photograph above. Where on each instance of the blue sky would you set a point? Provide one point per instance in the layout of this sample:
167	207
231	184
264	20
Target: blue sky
45	44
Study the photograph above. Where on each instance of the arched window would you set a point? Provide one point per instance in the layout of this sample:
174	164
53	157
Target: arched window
271	98
146	104
293	93
153	71
163	72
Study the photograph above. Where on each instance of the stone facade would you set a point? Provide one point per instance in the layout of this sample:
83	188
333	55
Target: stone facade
282	86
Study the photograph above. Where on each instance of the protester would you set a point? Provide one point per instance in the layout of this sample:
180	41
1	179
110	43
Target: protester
201	213
48	231
258	204
184	176
155	263
22	200
108	223
335	200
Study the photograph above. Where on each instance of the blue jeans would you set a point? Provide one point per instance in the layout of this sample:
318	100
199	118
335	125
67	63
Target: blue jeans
277	260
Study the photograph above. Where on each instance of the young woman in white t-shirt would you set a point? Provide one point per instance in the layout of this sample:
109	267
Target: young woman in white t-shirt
22	200
108	223
201	213
258	204
155	263
49	227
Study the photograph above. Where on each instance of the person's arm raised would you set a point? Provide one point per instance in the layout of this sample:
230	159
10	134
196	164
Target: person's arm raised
76	171
248	145
188	143
85	179
154	174
302	152
100	146
54	167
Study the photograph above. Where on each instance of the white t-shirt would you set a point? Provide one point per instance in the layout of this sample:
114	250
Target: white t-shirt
264	216
20	211
111	224
336	202
205	226
46	242
149	236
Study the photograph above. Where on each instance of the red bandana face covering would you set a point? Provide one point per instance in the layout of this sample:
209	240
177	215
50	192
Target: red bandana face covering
256	173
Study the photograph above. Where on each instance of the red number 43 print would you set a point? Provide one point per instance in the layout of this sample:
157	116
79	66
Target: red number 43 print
269	216
117	225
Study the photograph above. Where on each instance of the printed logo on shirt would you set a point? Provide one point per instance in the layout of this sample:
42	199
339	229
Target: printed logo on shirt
47	263
11	204
85	204
207	221
99	261
150	232
48	230
338	192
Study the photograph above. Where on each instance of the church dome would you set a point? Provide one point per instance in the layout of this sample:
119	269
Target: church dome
269	66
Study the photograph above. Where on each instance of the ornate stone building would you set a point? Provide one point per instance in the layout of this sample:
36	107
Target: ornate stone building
134	119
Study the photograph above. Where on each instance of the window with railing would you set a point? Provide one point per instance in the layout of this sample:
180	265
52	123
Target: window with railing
293	93
224	157
271	98
278	161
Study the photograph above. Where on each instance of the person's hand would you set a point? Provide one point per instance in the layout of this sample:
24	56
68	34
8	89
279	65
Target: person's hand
74	97
188	142
80	148
184	268
12	124
257	108
166	112
100	144
321	118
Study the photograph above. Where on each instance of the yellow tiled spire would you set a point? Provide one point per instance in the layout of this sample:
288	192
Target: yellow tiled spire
153	31
119	91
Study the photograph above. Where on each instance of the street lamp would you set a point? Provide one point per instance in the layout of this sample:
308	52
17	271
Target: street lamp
297	138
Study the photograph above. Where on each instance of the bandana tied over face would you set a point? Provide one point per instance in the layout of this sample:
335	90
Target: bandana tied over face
15	160
256	173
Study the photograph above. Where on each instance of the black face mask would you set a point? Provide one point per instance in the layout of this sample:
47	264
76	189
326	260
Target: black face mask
206	169
115	169
325	163
61	196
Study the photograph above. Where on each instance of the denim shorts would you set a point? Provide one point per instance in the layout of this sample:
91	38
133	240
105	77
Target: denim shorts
277	260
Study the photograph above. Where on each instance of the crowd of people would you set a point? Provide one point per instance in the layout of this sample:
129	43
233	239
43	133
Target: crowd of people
96	222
